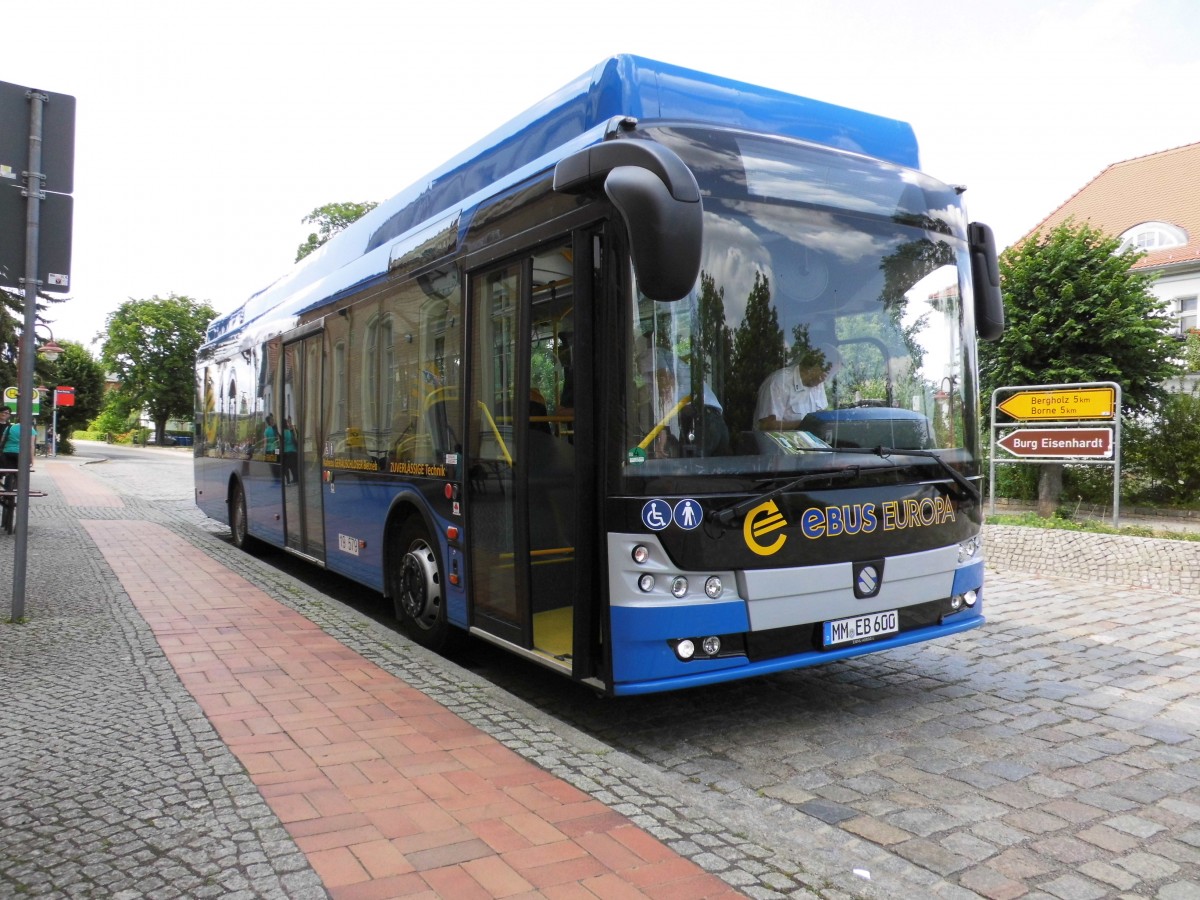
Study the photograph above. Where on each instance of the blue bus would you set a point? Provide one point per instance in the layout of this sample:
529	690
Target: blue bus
670	381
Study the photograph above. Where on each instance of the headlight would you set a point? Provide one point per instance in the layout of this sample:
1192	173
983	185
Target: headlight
969	549
646	582
679	587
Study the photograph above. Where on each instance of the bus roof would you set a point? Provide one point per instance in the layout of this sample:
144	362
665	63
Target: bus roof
572	117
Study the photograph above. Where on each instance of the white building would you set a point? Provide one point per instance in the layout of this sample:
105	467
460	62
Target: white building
1152	203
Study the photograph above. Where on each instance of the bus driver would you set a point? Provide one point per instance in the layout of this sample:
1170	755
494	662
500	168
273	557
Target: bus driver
791	393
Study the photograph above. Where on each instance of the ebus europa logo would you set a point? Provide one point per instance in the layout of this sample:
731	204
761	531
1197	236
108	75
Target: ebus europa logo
762	520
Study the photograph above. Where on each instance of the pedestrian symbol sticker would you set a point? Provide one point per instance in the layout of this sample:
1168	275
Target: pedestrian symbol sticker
656	514
687	514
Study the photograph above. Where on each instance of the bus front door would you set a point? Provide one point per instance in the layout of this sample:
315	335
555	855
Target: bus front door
522	490
300	446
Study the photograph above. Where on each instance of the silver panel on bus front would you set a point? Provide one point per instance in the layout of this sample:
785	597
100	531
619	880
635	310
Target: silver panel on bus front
777	598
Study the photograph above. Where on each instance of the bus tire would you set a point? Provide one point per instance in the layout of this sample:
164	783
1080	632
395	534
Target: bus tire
418	588
239	521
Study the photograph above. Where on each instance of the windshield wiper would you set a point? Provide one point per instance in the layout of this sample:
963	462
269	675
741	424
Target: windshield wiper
969	490
725	517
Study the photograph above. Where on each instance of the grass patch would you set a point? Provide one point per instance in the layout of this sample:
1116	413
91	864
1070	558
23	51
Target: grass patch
1033	520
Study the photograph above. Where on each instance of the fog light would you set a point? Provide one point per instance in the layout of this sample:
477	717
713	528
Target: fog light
711	646
646	583
679	586
956	602
686	649
641	553
713	587
970	598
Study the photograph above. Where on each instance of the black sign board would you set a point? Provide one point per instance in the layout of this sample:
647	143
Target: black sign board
56	207
54	240
58	137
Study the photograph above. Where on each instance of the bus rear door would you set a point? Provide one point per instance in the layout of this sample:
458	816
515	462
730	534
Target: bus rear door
300	441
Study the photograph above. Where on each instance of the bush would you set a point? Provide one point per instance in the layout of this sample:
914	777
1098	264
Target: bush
1017	482
1162	453
1089	484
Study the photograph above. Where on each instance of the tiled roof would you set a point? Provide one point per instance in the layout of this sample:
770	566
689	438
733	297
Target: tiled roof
1160	187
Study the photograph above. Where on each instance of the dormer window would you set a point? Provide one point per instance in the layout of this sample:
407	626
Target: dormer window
1150	236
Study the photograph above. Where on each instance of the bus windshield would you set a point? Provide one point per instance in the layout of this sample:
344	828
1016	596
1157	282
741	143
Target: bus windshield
828	317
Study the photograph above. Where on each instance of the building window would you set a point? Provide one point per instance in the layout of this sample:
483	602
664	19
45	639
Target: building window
1151	236
1187	314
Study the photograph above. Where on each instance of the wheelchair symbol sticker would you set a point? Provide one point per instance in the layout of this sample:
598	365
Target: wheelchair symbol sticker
656	514
687	514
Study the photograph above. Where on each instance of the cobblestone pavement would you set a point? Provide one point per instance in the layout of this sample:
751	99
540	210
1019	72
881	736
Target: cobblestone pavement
1051	753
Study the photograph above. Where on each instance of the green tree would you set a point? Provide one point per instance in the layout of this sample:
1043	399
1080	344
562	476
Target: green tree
1076	311
12	322
330	219
77	368
758	350
151	348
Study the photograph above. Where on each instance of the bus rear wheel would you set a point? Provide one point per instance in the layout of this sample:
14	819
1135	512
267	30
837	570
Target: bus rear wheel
417	590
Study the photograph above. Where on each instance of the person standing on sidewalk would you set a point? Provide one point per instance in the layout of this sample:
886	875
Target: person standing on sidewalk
10	439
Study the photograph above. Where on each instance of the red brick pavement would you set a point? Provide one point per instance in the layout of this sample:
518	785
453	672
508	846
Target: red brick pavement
387	792
81	489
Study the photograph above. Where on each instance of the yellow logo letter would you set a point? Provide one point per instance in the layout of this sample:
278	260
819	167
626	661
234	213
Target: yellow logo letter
754	528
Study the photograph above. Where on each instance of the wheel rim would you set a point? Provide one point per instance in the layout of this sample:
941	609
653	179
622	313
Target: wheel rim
420	585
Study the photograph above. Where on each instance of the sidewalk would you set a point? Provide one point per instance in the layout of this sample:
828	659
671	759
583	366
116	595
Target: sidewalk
170	729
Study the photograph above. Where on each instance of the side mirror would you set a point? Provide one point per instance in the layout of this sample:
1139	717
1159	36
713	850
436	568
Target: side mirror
658	198
985	273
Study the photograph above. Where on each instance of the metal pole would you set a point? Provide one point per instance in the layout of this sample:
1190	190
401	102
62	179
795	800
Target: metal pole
25	353
54	426
1117	460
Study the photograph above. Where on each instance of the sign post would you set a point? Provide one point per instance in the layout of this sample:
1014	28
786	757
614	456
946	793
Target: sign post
43	156
1077	423
63	396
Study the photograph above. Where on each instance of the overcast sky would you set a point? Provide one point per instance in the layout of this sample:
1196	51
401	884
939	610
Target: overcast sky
206	131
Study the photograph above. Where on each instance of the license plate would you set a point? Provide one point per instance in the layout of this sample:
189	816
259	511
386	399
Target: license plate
861	628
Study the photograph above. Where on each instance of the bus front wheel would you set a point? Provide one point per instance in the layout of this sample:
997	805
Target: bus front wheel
419	599
239	522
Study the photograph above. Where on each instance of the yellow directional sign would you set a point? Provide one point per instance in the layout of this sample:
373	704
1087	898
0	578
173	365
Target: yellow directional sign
1067	403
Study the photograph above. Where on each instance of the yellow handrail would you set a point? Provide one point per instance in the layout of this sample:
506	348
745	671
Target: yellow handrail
496	431
657	429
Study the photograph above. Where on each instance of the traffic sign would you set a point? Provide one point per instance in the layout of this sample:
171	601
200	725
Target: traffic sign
1059	443
11	396
1049	405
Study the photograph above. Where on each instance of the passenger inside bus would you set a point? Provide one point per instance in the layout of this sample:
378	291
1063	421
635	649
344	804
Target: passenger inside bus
681	425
